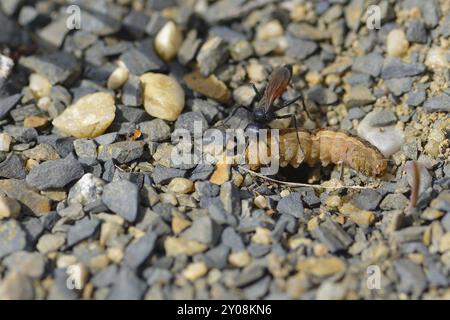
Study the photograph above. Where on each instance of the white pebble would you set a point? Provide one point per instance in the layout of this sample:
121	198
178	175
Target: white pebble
163	96
387	139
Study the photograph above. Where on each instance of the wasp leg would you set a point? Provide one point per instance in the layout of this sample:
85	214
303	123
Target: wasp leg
258	94
289	102
293	119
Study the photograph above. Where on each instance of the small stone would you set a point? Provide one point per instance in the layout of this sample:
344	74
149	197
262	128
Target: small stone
9	208
8	103
15	286
332	235
269	30
12	167
82	230
117	78
86	150
291	204
384	118
5	142
57	67
416	32
39	86
155	130
299	48
442	202
396	68
412	278
127	286
444	243
122	197
396	43
195	271
168	41
89	117
322	95
12	238
35	122
261	202
139	251
240	259
211	55
21	134
189	47
241	50
122	152
18	189
179	224
431	214
210	87
333	201
321	267
388	140
394	201
163	96
370	64
358	96
175	246
88	189
203	230
50	242
162	175
438	103
31	264
367	199
360	217
54	174
416	98
221	174
262	236
181	185
437	58
132	92
191	121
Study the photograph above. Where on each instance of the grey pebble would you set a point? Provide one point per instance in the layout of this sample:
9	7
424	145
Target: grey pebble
396	68
12	238
291	204
137	252
438	103
12	167
127	286
121	197
54	174
204	230
162	175
82	230
8	103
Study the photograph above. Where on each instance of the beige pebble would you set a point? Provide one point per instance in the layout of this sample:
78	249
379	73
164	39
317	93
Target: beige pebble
9	207
333	201
39	86
5	142
285	193
269	30
35	122
210	87
115	254
221	174
262	236
50	242
358	216
240	259
181	185
163	96
437	58
89	117
195	271
396	43
444	244
118	78
261	202
321	267
168	41
179	224
256	72
175	246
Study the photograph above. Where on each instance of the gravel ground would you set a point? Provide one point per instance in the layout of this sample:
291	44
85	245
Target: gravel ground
92	205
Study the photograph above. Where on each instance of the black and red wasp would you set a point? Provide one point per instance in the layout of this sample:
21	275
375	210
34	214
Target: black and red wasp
265	110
